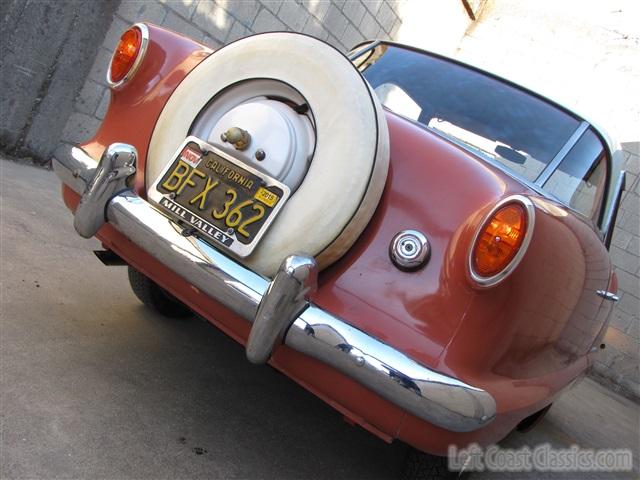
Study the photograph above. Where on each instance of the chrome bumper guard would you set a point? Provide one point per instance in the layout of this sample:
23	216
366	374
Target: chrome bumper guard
278	309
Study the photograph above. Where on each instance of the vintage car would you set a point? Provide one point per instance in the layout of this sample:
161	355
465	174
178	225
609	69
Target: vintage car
420	243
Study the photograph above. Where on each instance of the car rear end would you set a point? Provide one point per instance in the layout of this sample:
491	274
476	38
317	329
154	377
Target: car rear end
409	332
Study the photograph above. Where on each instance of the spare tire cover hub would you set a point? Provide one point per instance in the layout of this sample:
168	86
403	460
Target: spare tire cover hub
285	137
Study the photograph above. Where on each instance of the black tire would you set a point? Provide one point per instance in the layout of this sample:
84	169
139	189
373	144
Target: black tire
531	421
422	466
156	298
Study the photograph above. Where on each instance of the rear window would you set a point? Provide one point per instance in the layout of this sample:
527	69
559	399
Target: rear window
579	181
483	114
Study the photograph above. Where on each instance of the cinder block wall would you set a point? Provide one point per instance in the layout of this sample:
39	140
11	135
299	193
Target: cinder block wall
46	50
341	23
618	365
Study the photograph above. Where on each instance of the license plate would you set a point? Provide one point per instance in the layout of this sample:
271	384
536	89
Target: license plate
218	197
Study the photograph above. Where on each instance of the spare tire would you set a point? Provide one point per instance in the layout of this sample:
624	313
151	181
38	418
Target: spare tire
345	178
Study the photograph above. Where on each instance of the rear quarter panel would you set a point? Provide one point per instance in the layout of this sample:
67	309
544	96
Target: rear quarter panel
134	109
540	321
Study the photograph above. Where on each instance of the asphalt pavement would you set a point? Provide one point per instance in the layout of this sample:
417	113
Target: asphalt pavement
93	385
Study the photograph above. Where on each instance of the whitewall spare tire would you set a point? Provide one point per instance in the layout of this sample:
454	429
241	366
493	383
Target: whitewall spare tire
341	186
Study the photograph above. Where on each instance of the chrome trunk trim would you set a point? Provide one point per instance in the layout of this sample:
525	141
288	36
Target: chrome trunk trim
431	396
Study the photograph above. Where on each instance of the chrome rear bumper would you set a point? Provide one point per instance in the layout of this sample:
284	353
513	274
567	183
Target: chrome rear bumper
303	326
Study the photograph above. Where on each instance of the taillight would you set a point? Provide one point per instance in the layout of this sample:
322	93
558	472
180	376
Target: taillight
127	55
501	240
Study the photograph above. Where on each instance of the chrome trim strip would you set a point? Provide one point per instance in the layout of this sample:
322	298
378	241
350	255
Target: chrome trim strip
431	396
566	148
136	64
508	270
612	297
612	213
361	48
77	170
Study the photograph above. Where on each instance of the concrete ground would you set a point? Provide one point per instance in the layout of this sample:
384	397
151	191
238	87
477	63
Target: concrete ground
93	385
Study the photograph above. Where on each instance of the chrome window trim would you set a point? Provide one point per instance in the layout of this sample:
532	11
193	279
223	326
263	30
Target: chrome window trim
606	139
608	222
362	48
515	261
136	64
553	165
597	222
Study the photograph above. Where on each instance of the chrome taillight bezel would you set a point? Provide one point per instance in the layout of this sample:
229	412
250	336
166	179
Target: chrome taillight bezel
144	31
530	212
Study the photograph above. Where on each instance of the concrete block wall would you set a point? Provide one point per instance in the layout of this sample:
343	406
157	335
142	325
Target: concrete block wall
214	23
618	364
46	50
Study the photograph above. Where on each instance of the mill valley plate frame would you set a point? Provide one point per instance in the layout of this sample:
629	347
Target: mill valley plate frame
219	197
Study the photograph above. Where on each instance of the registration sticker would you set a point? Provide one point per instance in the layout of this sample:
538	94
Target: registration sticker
266	197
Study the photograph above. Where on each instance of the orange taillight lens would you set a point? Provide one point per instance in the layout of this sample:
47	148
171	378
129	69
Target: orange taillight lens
124	57
499	240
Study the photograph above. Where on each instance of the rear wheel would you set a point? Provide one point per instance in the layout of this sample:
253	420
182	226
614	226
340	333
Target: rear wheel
155	297
532	420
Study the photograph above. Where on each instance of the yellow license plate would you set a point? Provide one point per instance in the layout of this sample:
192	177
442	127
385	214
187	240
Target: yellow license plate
219	197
